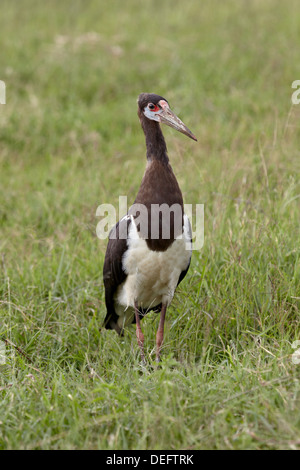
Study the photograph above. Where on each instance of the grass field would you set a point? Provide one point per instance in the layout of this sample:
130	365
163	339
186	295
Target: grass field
70	140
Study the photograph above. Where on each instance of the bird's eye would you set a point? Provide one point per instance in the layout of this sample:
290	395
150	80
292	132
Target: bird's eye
153	107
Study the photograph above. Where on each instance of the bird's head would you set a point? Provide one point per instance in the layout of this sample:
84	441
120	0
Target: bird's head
156	108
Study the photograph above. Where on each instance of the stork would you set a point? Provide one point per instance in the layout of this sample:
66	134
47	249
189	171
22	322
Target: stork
149	250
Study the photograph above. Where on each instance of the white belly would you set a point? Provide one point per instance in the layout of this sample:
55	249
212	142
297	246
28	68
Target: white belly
152	276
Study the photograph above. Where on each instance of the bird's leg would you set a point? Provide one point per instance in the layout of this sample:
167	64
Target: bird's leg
160	332
139	333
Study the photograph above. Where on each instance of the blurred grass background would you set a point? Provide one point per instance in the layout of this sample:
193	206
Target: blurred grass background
70	140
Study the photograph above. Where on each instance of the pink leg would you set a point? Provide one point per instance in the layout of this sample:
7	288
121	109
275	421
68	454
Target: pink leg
139	333
160	332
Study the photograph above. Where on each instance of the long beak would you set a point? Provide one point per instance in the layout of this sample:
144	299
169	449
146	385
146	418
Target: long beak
169	118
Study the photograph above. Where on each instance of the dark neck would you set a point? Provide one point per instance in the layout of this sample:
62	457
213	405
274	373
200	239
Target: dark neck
155	142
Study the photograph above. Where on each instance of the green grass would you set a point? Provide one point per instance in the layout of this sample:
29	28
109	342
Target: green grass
69	141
